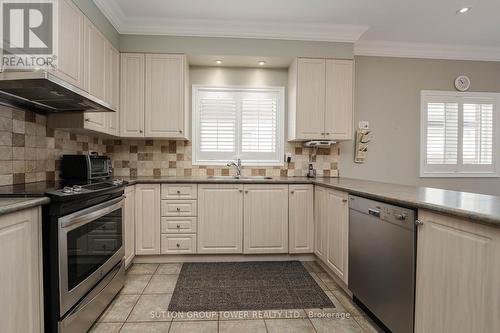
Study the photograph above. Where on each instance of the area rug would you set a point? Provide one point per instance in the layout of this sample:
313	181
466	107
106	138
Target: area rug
239	286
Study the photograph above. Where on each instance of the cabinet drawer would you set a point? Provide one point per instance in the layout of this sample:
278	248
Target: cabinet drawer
185	243
178	225
179	191
178	208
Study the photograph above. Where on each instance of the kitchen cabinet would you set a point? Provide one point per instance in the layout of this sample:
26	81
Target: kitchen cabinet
337	232
154	100
265	219
320	105
113	89
457	287
301	218
166	104
129	224
147	219
132	95
220	218
70	57
320	222
21	279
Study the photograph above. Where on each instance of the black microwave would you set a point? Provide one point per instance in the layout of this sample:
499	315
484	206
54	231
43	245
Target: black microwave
85	167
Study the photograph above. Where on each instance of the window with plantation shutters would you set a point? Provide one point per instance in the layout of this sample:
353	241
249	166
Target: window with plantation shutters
458	134
237	122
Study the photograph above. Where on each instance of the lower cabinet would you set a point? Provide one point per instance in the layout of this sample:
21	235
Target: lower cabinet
301	218
331	228
178	243
458	274
220	218
21	297
147	219
265	219
129	224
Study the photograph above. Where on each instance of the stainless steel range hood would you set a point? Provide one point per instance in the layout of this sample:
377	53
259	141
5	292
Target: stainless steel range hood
43	92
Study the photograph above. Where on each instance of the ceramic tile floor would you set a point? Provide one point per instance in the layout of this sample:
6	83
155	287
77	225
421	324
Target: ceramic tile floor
142	306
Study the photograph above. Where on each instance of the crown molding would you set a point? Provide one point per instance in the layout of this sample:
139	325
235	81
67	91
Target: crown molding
229	28
426	51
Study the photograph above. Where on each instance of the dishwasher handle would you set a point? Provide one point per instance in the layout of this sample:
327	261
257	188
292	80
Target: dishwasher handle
374	212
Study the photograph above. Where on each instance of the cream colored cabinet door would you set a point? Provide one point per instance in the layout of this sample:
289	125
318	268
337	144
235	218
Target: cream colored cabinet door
265	219
147	219
339	99
70	57
320	211
95	74
337	232
458	274
132	95
165	110
113	89
310	108
21	298
301	218
129	224
220	218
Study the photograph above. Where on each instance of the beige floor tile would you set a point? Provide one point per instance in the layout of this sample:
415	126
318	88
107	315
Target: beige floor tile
242	326
106	328
319	282
119	309
368	325
135	284
155	327
347	302
151	308
194	327
328	280
289	326
169	269
161	284
195	315
313	266
330	325
142	269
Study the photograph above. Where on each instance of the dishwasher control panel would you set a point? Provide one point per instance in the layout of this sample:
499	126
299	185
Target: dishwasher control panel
387	212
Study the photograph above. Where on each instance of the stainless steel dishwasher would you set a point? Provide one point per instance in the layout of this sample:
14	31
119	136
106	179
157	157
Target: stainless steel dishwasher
382	243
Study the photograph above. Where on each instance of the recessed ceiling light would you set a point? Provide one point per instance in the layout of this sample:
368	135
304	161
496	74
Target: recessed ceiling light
463	10
262	63
218	62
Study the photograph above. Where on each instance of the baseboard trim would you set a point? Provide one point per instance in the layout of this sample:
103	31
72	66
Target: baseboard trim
174	258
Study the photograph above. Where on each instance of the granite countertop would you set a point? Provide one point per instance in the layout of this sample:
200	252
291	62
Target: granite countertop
9	205
479	208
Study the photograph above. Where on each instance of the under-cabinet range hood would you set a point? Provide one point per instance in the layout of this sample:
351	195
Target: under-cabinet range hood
319	143
43	92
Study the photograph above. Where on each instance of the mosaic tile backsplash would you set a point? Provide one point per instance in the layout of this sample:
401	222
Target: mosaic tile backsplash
30	151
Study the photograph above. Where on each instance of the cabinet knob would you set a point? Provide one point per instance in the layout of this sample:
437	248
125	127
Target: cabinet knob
178	245
180	131
419	223
87	119
344	200
241	191
327	133
178	192
322	133
178	226
178	209
140	131
292	191
246	191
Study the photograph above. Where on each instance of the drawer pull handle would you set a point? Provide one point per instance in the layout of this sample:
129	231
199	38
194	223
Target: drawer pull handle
344	200
178	245
178	209
178	192
178	226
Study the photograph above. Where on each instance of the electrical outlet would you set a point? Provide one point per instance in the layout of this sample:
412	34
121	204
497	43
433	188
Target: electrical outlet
288	157
364	124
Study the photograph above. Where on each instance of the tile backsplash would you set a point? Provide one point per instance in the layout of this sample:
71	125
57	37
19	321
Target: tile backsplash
30	151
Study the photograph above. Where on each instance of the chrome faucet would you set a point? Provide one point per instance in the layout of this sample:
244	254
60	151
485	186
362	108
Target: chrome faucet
237	165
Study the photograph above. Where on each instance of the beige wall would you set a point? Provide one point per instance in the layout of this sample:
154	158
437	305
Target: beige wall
387	94
93	13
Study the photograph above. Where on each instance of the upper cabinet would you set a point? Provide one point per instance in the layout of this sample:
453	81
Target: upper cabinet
154	96
113	89
320	105
70	66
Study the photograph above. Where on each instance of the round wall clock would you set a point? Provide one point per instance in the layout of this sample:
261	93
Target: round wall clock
462	83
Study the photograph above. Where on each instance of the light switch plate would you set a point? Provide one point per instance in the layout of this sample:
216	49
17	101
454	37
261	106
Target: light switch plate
364	124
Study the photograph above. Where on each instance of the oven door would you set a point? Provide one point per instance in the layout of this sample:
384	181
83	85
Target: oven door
90	245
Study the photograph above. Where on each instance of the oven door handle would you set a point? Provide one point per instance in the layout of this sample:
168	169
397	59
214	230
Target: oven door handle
91	213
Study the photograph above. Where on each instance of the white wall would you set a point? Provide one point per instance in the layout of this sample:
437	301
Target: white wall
387	93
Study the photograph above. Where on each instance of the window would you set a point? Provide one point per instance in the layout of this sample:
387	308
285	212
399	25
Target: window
238	122
458	134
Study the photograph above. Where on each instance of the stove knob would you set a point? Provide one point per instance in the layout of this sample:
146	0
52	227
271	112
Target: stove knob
77	188
67	189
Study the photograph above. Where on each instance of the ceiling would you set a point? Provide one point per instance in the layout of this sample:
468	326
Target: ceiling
369	23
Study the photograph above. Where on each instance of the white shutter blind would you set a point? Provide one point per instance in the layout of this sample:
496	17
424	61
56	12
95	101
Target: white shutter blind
442	133
478	134
258	125
217	123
